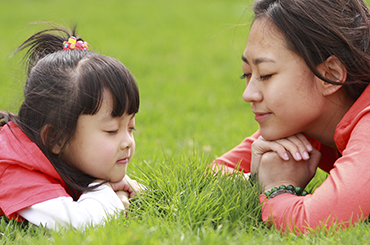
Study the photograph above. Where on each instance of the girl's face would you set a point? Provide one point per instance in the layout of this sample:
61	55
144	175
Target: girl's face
280	87
103	145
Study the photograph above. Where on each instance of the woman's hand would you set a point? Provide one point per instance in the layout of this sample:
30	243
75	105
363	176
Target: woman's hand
127	185
274	171
296	146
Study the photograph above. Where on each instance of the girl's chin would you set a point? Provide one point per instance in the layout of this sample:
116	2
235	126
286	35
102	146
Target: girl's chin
117	178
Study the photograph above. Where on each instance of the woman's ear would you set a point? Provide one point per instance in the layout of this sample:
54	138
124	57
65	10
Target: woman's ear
56	148
332	69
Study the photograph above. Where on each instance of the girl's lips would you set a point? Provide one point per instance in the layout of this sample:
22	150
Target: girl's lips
123	161
261	116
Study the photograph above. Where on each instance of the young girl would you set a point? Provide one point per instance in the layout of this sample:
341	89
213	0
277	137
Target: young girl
307	69
63	158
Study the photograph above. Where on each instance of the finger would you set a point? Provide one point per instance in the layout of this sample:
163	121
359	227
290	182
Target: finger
126	203
259	147
292	145
128	184
305	141
124	197
121	194
303	144
136	189
133	186
121	185
314	161
298	145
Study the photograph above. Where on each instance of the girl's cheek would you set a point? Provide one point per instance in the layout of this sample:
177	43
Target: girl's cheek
102	150
106	149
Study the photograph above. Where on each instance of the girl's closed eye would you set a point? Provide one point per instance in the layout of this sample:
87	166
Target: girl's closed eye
112	131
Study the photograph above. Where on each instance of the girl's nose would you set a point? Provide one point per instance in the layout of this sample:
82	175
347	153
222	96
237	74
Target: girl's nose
252	93
127	141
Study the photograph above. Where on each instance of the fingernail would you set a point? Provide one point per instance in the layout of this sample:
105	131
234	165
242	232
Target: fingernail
306	156
309	147
298	156
286	157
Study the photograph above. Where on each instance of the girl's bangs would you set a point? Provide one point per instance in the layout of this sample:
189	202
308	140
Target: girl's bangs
105	74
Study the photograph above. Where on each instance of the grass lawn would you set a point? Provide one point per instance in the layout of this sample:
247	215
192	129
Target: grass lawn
186	57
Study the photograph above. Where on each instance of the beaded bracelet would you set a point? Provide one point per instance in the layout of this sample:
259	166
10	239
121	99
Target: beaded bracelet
298	191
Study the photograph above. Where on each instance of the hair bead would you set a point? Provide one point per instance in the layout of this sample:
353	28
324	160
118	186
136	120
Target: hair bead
72	44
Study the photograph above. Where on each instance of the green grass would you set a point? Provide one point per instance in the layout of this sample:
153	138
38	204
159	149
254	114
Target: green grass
186	57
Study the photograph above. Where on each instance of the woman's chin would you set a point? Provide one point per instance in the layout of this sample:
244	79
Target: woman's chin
271	136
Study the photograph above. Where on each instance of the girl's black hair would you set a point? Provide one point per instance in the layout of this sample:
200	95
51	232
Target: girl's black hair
61	86
316	30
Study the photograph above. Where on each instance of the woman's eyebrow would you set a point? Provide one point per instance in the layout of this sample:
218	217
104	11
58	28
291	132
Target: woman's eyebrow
244	59
258	60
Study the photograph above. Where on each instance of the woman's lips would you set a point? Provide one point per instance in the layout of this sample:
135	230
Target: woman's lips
261	116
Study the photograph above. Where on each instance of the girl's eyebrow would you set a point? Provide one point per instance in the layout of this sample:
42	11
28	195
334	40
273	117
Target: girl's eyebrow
258	60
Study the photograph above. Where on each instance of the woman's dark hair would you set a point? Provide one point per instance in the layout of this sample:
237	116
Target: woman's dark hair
61	86
316	30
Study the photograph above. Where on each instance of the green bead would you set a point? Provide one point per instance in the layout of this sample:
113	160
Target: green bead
290	188
298	190
304	193
274	189
267	193
282	187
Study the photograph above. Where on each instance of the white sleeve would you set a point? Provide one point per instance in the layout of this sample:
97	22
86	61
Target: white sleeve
91	208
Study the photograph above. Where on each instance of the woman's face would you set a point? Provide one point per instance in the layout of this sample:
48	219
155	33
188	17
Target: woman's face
280	87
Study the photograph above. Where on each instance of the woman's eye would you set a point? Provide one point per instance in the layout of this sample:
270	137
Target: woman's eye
264	78
244	76
132	129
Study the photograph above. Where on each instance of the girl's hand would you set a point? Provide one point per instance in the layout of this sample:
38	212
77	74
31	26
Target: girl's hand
296	146
124	197
274	171
127	185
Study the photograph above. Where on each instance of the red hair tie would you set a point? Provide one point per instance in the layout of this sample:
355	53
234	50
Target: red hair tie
72	44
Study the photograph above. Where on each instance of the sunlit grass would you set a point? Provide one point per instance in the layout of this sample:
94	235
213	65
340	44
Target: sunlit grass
186	57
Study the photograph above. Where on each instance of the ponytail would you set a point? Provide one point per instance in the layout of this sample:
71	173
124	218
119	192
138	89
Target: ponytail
43	43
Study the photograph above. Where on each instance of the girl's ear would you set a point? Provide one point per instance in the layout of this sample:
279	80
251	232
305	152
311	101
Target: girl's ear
332	69
56	148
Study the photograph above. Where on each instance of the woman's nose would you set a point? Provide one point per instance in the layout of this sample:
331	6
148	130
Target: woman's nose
252	93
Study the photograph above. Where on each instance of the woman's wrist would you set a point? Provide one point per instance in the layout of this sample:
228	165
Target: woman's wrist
283	189
268	186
